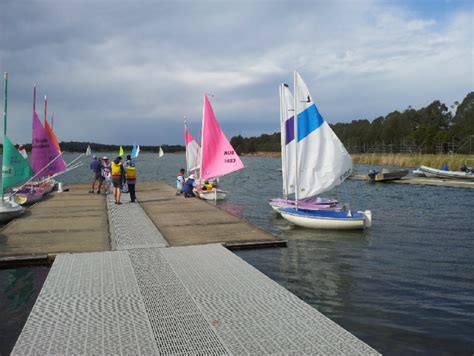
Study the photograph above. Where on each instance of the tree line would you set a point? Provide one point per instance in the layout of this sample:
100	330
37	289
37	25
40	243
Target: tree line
74	146
432	129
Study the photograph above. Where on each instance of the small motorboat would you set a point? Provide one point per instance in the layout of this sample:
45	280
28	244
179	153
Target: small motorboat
9	210
439	173
327	220
387	175
306	204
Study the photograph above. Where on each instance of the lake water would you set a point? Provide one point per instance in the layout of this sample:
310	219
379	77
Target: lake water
404	286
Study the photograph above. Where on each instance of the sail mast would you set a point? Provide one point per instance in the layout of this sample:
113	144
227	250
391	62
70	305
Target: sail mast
5	85
295	117
282	142
45	109
202	136
185	144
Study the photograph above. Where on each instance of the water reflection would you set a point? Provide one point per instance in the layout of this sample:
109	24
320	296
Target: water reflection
19	290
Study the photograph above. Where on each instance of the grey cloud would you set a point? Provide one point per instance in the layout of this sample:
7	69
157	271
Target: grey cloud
117	69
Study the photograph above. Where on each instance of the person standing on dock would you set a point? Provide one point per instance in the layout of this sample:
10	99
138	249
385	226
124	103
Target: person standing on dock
118	178
180	181
131	176
96	174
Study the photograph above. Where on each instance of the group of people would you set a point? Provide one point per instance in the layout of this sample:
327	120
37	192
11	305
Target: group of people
188	185
121	176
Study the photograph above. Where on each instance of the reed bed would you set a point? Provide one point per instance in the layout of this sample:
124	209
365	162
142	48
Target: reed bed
453	161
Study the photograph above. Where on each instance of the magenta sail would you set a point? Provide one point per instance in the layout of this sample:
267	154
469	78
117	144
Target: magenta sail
46	160
218	155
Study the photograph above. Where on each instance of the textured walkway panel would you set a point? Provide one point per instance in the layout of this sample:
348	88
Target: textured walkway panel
89	304
251	313
177	322
131	227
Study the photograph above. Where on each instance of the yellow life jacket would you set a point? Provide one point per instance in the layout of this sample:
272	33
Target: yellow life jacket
208	186
116	170
130	172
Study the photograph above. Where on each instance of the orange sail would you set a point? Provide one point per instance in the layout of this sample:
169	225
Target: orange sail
52	135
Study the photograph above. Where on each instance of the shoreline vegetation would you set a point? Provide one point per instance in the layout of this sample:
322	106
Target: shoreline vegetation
412	160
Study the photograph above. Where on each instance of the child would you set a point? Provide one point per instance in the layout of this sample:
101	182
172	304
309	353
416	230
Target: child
180	181
106	176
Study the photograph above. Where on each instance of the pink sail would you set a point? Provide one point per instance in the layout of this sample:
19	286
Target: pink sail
218	155
44	151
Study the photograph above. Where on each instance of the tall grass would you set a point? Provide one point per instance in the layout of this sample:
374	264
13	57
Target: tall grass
413	160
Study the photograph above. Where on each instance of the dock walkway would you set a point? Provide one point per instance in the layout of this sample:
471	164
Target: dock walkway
146	299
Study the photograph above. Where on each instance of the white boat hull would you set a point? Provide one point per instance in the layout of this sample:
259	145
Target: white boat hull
215	194
327	223
9	211
438	173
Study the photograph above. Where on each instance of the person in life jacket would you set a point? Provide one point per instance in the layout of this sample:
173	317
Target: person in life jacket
131	177
118	178
207	185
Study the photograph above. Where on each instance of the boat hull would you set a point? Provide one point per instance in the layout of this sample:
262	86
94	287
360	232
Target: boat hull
438	173
312	204
9	211
215	194
29	197
388	175
327	220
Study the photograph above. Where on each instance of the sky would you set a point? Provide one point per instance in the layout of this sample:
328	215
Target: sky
120	72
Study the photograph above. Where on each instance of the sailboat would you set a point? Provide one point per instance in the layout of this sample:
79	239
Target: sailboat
160	153
288	160
321	164
88	151
46	160
218	157
135	151
15	169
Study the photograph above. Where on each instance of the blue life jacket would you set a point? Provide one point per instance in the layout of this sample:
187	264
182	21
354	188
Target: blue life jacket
188	186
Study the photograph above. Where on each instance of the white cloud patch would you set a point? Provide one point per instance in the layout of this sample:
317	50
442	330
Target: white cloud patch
124	71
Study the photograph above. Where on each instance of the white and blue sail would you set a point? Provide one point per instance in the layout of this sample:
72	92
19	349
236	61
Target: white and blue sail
322	160
135	151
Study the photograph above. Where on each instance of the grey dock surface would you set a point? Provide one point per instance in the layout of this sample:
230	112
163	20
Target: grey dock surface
454	183
147	298
73	221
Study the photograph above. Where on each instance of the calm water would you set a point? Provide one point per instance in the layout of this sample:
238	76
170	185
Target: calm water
405	286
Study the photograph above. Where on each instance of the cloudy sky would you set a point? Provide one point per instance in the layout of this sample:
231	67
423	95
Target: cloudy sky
128	71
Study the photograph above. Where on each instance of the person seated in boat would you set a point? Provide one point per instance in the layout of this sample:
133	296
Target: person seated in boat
207	186
445	167
188	187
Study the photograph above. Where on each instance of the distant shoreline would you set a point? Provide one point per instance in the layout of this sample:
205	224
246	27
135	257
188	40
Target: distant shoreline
453	161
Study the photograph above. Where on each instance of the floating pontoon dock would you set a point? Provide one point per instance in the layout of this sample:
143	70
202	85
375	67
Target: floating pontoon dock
146	297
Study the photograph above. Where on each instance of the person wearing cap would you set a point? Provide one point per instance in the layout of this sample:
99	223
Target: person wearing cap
95	168
188	187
